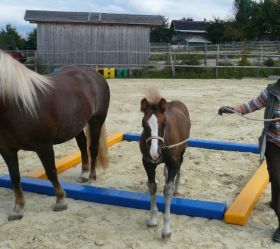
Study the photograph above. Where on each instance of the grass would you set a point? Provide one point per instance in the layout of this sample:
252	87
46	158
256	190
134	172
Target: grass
206	73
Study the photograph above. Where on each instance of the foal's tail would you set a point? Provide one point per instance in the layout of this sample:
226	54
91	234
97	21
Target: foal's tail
101	160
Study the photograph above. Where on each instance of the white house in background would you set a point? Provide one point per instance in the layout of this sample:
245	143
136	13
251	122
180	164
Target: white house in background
187	31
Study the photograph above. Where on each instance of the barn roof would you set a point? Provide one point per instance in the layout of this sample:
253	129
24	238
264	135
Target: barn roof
36	16
189	26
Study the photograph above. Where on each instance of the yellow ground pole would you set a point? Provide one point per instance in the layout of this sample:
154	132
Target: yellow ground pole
245	202
73	159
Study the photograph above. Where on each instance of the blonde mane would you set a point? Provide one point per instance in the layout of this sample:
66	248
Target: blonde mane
152	95
19	84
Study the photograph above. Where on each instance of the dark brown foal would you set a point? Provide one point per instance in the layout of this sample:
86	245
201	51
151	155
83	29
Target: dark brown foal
166	128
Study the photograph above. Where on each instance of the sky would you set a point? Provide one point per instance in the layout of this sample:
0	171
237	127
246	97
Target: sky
12	11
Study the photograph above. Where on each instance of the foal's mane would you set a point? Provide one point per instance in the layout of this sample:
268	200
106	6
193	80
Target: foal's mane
153	96
19	84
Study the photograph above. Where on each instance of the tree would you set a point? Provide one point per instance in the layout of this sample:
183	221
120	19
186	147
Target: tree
162	33
31	41
216	31
11	39
271	19
233	32
243	11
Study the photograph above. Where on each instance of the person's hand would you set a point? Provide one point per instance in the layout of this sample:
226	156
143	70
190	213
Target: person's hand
225	109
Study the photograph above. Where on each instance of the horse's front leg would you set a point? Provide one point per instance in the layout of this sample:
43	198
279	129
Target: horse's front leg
152	186
11	160
168	194
46	155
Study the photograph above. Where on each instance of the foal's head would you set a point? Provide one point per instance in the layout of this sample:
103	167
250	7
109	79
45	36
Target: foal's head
154	122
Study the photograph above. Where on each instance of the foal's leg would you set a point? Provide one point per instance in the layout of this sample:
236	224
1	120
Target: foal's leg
46	155
95	125
82	144
151	173
172	168
178	176
11	160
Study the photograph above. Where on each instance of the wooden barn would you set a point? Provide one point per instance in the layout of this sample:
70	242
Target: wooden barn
92	38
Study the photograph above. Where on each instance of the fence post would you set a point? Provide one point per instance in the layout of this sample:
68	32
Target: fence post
171	60
217	61
205	52
36	61
261	54
279	52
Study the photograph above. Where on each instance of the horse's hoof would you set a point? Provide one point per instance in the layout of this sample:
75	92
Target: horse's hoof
91	181
82	179
177	193
151	223
15	215
166	237
60	206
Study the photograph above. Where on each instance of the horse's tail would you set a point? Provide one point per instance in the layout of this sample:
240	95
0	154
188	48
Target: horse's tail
102	156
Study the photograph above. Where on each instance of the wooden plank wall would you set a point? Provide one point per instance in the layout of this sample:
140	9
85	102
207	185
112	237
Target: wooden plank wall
102	45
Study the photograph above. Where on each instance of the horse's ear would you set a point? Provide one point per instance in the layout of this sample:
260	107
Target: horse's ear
144	105
162	105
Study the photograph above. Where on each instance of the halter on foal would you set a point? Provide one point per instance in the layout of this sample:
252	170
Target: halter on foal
38	111
164	124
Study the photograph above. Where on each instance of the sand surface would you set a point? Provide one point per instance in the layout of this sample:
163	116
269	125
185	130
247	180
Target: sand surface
206	174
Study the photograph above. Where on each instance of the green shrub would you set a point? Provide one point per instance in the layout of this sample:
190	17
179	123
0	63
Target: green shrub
244	62
269	62
191	59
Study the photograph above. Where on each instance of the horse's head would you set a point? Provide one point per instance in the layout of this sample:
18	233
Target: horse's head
153	123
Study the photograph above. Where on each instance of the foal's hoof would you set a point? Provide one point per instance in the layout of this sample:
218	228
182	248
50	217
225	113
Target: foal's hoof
15	215
276	235
166	237
60	206
151	223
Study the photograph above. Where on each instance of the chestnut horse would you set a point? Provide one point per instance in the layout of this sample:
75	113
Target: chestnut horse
166	129
38	111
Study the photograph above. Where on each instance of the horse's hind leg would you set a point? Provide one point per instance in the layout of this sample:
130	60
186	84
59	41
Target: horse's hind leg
178	176
165	172
95	125
11	160
82	144
46	155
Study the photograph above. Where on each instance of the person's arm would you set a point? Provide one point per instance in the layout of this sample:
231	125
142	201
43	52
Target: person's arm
253	105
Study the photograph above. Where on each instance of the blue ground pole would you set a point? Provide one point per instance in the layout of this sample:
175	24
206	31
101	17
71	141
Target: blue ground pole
195	208
208	144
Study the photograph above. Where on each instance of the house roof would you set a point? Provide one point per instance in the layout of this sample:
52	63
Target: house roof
36	16
190	26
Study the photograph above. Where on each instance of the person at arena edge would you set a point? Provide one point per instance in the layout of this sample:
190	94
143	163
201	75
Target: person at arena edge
269	141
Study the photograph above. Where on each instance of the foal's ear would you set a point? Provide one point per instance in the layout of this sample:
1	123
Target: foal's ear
162	105
144	105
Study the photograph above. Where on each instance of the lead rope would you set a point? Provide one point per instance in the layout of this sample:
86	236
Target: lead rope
184	141
254	119
210	121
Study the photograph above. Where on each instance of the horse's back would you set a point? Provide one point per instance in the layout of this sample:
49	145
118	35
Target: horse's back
78	94
85	83
178	119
